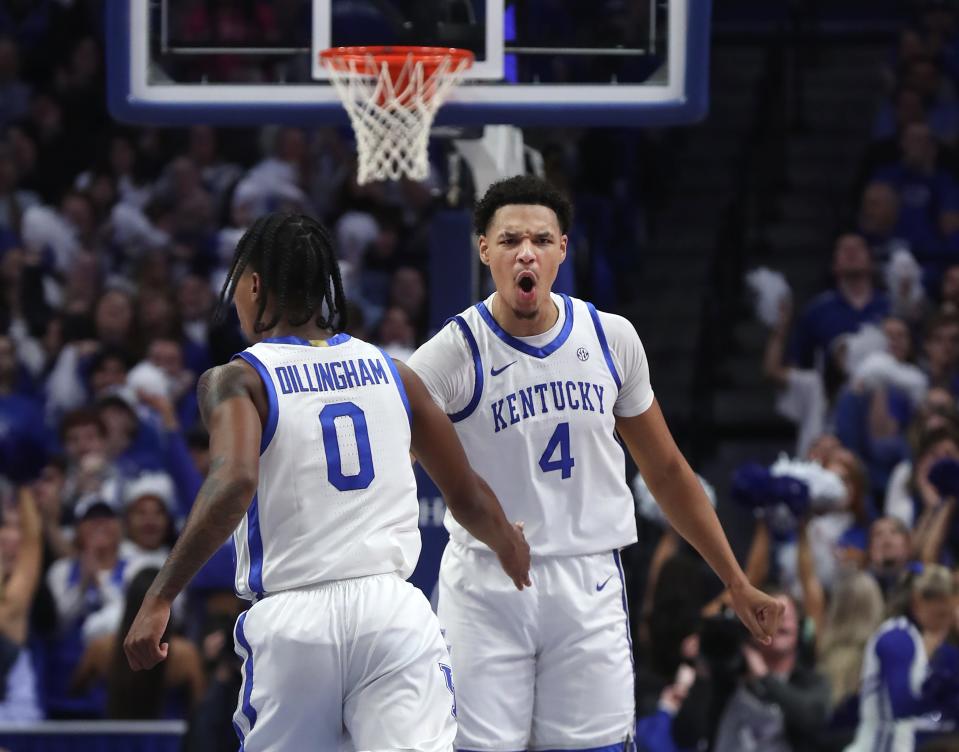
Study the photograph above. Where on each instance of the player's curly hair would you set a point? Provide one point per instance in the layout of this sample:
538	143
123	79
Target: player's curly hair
522	189
293	254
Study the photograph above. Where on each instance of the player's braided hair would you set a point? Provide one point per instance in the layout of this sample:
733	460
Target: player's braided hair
293	254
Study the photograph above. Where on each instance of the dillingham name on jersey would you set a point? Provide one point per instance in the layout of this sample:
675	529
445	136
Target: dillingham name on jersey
322	377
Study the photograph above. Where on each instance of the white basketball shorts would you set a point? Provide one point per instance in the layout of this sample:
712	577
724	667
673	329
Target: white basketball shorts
548	668
348	665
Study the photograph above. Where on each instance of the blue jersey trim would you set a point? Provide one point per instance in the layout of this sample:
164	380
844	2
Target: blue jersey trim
477	367
289	339
236	563
273	411
401	388
516	344
601	335
255	544
622	581
247	706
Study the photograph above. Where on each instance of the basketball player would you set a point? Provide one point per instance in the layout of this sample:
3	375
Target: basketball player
536	385
310	436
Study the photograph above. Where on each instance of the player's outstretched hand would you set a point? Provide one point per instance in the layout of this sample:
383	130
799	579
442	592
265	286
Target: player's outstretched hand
759	612
514	556
142	645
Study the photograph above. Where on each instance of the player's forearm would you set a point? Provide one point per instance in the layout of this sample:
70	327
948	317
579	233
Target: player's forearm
476	508
685	505
222	501
757	561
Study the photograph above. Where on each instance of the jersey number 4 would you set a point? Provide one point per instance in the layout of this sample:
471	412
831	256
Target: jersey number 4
558	441
331	445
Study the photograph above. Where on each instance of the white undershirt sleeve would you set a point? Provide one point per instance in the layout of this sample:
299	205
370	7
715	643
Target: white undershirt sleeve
629	357
445	365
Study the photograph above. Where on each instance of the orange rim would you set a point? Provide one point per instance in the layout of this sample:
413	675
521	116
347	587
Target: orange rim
396	57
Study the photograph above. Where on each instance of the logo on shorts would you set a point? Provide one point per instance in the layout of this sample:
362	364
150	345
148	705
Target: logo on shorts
599	587
448	676
582	353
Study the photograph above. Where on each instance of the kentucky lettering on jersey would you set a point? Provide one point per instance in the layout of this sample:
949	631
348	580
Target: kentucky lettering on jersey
336	375
540	398
539	426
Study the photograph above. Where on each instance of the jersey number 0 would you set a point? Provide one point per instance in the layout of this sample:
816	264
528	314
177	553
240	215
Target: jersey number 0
331	445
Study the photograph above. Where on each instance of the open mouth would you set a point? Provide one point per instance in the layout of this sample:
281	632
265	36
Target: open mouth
526	282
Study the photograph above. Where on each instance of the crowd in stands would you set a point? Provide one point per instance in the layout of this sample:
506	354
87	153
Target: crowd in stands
858	530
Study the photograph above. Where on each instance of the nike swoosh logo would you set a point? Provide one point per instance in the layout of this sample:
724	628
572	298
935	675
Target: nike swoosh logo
498	371
600	587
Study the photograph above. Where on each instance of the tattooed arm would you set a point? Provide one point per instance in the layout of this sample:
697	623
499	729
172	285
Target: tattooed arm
229	396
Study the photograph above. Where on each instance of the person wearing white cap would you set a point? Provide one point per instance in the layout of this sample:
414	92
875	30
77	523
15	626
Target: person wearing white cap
148	516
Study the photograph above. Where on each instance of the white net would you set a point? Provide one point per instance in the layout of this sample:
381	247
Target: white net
391	101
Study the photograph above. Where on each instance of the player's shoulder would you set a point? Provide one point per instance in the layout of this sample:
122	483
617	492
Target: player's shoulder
238	378
616	322
449	342
604	317
236	373
618	330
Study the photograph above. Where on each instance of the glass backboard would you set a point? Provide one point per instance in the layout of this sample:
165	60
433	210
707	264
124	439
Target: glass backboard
556	62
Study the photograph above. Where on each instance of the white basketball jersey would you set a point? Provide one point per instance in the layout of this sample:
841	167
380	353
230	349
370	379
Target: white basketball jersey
336	496
540	430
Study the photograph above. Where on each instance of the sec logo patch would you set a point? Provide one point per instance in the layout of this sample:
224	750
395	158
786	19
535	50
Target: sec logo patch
582	353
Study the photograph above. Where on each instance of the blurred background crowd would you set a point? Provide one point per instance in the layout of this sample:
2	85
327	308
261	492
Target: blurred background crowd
854	525
113	243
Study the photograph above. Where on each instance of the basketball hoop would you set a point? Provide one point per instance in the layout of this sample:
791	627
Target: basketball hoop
391	95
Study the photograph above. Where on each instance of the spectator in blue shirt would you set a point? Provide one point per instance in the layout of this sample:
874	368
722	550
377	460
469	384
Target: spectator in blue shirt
878	220
23	437
920	75
927	193
853	302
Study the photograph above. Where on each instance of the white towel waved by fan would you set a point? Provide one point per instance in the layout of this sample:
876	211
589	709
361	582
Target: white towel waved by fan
869	340
881	369
827	492
904	280
771	290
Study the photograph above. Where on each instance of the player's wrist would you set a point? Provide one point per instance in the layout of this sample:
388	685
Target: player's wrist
505	542
738	583
158	599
